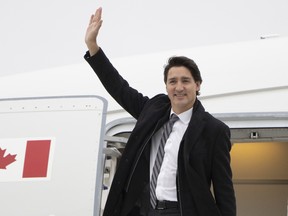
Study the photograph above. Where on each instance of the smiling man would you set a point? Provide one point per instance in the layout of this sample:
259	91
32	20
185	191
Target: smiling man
182	78
176	150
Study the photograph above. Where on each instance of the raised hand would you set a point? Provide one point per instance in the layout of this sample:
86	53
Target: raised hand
92	31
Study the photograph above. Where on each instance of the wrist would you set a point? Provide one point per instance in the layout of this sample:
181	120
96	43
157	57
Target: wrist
93	48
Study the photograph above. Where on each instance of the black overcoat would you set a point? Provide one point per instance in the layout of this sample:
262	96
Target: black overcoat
203	158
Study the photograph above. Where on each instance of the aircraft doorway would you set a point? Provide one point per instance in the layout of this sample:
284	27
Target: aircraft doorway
260	171
259	160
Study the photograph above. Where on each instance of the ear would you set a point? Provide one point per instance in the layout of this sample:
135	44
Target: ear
166	87
198	84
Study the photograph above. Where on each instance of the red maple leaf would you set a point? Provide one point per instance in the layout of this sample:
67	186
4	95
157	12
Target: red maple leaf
5	161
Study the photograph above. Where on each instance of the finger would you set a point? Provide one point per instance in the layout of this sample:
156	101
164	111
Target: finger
91	19
98	14
98	25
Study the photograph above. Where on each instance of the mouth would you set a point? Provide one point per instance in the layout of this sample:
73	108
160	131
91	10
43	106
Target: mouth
179	95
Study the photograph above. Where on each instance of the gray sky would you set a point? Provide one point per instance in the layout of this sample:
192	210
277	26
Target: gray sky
37	34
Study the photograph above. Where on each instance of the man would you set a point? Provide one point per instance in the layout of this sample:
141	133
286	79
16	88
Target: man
195	155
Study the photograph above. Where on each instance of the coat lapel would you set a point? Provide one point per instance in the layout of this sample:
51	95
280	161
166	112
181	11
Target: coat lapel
195	127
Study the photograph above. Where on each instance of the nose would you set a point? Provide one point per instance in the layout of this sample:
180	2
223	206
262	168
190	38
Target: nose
179	87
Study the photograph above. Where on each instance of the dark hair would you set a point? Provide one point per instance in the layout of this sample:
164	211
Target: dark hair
178	61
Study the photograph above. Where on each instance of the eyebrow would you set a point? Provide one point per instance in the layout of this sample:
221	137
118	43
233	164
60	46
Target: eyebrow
186	78
182	78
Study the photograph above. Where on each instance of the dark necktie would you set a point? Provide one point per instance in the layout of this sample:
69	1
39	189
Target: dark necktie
159	157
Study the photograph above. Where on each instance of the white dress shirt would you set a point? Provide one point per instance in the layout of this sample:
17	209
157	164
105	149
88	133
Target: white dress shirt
166	182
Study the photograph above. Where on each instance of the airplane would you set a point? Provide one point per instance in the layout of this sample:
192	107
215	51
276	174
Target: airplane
245	84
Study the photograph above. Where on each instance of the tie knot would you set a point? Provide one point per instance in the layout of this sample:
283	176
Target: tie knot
173	118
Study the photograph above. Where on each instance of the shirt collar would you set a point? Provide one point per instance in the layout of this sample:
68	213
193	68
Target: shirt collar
184	116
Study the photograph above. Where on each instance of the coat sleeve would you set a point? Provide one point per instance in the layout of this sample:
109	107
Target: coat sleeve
127	97
222	173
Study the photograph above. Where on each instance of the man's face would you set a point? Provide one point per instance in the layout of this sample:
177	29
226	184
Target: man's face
181	88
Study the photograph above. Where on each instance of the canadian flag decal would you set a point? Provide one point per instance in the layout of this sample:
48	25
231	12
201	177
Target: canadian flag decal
36	158
25	159
5	161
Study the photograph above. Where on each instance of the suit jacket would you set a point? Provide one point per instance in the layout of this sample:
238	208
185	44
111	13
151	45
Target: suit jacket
203	157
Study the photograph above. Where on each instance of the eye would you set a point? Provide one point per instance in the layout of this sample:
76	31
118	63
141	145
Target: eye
186	80
172	81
